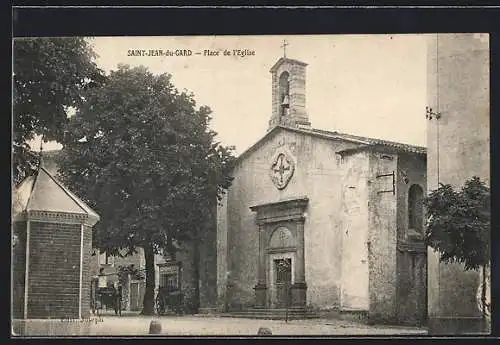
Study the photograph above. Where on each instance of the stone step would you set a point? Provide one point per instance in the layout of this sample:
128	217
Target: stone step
269	313
208	311
269	317
348	315
272	314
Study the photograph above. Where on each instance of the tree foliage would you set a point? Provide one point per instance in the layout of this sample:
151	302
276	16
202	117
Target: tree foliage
124	272
459	223
50	75
143	156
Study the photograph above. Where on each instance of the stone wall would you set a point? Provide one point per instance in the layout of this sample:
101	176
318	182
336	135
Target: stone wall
54	270
382	237
355	279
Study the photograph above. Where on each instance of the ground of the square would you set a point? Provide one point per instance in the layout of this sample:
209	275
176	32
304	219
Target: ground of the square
136	325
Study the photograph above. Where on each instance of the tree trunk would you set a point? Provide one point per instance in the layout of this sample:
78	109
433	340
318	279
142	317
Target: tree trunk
483	292
172	251
196	275
149	298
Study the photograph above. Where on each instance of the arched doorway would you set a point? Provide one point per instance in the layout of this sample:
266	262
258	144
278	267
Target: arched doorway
281	253
281	261
412	261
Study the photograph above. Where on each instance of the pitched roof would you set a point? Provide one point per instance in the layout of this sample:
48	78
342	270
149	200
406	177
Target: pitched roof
43	192
21	195
364	142
49	160
374	142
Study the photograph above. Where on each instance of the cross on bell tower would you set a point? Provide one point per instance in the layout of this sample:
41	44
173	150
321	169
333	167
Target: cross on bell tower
284	45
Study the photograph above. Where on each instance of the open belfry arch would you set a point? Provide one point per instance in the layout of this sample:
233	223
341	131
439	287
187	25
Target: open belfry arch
51	256
322	221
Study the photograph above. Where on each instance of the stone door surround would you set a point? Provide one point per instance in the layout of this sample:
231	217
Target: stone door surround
270	217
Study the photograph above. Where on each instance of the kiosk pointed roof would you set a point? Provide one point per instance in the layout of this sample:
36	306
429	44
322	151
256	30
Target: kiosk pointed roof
43	192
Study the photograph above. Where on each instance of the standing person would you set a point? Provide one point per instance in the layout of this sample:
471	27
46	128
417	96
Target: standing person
102	279
93	294
119	299
102	282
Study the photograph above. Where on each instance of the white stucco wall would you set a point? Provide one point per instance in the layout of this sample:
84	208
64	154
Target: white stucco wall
318	176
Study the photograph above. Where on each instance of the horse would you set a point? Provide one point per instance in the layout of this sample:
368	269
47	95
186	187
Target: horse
107	297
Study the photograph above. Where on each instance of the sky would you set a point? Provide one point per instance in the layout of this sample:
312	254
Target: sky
368	85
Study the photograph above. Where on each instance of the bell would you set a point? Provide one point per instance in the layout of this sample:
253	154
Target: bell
285	102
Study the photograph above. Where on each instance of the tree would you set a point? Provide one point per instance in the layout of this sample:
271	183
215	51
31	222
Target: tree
50	75
141	153
459	226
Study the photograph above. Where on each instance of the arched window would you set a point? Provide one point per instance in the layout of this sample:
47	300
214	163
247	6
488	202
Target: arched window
281	238
284	92
415	208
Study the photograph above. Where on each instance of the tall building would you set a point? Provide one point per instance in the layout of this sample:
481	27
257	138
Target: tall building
458	148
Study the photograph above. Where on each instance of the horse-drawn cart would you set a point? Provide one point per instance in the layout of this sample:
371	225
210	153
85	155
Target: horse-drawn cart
169	301
106	297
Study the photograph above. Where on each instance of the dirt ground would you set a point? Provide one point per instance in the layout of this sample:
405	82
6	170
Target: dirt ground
135	325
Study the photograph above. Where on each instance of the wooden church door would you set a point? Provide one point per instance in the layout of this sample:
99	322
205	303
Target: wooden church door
282	281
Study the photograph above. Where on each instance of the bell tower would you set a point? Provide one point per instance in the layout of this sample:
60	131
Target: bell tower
289	94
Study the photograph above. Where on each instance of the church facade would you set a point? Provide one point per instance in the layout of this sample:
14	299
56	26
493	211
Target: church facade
319	220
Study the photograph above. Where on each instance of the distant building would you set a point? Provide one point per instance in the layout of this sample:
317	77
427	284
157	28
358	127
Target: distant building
458	148
333	218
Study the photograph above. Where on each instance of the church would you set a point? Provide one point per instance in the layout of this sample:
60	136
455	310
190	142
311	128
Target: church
319	221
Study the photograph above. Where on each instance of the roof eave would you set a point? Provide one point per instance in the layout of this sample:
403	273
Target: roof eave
254	146
93	219
283	60
381	147
366	145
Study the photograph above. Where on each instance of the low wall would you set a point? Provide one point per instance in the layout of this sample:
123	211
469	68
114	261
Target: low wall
53	327
458	326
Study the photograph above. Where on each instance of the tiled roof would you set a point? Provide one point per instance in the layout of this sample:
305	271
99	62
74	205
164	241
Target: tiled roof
372	141
21	195
364	142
